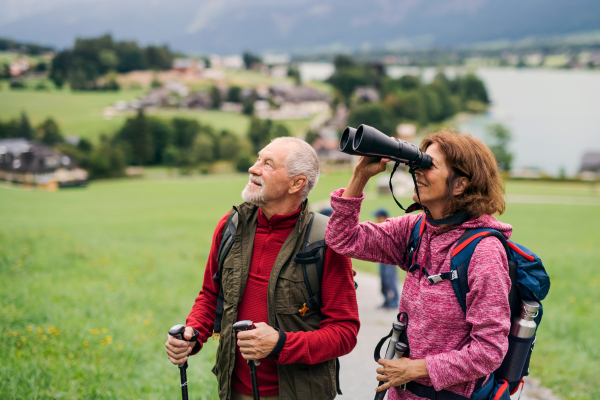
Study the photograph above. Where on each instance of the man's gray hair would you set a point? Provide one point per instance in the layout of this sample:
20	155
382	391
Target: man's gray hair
302	161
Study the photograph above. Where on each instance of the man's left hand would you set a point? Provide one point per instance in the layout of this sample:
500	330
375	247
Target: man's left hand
257	343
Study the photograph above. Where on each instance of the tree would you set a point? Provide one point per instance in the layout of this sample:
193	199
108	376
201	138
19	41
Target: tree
294	73
473	89
24	130
259	133
137	135
107	160
215	96
49	133
346	80
376	115
131	56
185	132
227	146
204	149
158	57
250	59
342	61
500	138
9	129
234	94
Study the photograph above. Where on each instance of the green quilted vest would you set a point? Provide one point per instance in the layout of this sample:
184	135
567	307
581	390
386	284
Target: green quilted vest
287	293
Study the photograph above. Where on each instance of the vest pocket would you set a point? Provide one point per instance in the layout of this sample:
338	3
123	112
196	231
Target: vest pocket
289	295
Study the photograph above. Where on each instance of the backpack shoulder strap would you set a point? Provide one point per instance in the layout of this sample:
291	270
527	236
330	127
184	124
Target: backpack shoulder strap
311	258
461	258
413	243
224	247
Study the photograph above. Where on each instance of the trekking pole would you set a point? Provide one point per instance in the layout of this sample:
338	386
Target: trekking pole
391	352
177	333
247	325
399	350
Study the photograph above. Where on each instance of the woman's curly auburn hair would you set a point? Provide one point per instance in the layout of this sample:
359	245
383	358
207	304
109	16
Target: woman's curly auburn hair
469	157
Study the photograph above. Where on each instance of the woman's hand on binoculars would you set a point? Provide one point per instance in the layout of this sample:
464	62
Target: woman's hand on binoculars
399	371
366	168
257	343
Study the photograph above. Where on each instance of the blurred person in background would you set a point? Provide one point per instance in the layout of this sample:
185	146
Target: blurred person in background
297	348
387	272
451	352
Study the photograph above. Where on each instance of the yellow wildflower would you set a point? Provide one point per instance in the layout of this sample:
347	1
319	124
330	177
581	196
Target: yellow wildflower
119	347
102	342
147	321
103	330
85	343
108	339
43	337
29	328
40	330
23	338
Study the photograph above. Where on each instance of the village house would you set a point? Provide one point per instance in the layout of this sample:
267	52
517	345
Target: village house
36	165
295	102
590	166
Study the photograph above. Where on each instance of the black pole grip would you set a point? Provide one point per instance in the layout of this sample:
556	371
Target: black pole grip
380	395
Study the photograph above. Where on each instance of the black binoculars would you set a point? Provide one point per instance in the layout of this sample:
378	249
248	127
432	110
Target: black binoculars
368	141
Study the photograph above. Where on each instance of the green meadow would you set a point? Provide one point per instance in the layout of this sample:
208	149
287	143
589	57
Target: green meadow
91	280
82	113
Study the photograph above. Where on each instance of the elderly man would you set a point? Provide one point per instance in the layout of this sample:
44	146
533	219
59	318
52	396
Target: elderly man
297	346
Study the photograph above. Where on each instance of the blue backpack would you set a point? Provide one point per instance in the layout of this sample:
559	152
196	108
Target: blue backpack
529	281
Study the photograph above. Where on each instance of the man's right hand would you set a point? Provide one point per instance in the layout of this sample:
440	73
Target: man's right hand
179	350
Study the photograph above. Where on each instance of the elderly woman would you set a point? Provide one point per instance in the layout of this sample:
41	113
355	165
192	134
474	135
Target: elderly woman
450	350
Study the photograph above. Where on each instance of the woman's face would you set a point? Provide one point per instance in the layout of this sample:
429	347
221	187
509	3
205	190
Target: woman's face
432	183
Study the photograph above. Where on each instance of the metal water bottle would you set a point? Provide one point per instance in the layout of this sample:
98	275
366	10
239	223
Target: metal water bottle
524	326
522	332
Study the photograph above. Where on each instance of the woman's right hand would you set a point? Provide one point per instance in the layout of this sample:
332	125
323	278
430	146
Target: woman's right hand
366	168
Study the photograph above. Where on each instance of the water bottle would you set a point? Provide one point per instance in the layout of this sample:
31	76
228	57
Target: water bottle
522	332
524	327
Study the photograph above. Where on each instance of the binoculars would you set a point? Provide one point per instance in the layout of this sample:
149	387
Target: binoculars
368	141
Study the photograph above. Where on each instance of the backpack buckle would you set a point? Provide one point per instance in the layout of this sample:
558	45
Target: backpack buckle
433	279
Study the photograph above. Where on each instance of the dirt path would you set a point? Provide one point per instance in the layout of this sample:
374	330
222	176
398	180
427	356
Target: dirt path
357	374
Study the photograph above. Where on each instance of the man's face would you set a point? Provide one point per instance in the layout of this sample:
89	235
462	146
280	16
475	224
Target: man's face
268	176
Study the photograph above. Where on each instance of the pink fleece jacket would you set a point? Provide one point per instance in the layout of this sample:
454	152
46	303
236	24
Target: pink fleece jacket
457	350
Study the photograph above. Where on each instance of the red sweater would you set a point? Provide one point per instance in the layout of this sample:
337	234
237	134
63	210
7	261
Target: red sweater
337	332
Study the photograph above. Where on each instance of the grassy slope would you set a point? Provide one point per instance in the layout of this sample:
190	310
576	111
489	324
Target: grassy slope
129	256
81	113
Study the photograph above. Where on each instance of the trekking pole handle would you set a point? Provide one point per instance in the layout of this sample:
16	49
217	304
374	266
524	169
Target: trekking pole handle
399	349
245	325
177	332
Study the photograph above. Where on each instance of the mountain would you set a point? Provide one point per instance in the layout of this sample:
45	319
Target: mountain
231	26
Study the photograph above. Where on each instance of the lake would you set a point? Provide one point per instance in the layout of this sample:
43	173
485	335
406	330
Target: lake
554	115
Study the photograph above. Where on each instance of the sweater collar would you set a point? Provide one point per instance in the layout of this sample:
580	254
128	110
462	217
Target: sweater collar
278	221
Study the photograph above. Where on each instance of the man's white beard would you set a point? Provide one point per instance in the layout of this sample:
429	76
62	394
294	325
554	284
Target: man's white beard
254	196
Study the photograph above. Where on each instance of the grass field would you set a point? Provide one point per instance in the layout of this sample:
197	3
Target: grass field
81	113
91	280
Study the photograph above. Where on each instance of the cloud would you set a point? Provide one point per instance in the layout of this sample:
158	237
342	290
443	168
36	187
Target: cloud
319	9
